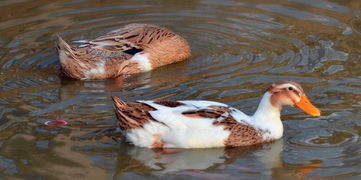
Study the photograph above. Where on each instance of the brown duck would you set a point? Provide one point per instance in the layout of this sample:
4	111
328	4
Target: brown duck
131	49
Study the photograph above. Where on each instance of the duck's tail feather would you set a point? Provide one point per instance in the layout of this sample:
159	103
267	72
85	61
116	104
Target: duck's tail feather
131	115
65	50
70	63
121	112
118	103
62	45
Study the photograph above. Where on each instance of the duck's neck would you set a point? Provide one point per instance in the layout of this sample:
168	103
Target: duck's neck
268	117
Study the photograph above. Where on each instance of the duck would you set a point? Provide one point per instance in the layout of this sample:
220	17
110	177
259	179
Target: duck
208	124
134	48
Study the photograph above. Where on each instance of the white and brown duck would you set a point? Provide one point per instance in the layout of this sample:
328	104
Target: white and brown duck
132	49
205	124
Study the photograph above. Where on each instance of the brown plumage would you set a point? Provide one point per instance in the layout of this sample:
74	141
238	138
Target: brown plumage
241	134
113	54
132	115
169	103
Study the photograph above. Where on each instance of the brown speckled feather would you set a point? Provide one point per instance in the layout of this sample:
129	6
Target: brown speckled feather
169	103
112	51
211	112
132	115
133	36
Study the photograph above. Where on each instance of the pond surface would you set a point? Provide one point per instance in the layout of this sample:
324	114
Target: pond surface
239	49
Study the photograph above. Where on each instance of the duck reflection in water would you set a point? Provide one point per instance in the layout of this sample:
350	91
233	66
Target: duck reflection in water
180	161
266	159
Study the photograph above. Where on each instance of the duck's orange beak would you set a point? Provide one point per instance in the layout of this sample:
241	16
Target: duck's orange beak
307	106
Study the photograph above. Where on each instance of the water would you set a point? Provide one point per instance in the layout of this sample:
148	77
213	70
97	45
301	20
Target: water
239	48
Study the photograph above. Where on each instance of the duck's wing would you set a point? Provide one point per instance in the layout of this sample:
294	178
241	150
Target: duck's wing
133	115
130	39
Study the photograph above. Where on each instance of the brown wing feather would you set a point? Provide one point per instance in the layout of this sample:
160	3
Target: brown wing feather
212	112
169	103
132	115
132	36
241	134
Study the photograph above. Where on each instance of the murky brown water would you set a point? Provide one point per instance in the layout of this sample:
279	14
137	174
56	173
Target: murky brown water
239	48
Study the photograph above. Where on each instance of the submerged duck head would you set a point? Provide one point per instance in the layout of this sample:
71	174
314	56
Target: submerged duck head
292	94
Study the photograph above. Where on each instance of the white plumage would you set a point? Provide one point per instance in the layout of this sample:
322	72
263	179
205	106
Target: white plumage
204	124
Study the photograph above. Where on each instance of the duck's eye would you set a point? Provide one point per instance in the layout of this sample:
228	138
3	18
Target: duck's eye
290	88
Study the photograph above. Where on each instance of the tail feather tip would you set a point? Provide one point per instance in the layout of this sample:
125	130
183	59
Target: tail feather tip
61	43
117	101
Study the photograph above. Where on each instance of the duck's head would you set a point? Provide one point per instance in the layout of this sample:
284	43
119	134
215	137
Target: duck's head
292	94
